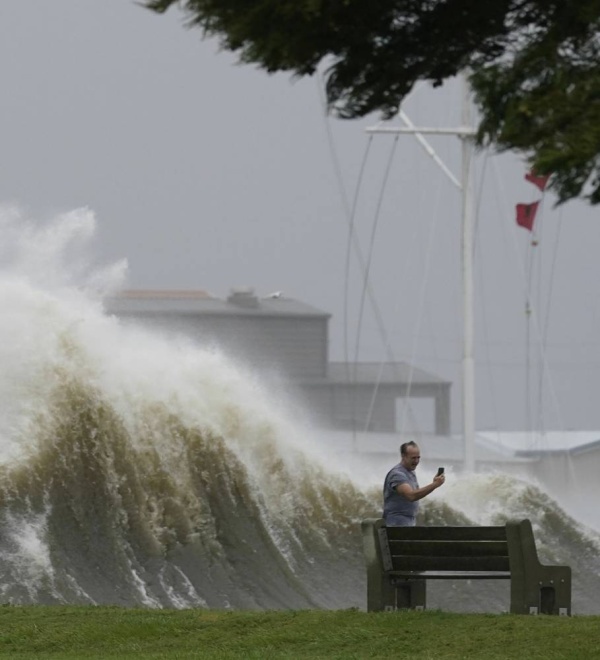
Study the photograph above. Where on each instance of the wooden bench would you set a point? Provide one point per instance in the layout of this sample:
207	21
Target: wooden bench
401	559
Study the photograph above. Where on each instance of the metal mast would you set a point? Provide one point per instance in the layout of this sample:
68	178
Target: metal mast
468	218
466	133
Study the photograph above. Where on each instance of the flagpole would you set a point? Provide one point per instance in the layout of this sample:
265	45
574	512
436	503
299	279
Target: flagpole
468	365
466	132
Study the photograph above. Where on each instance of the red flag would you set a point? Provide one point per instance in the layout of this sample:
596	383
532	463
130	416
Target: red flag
526	215
537	180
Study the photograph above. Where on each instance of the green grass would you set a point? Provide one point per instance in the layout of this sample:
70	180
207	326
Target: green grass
111	632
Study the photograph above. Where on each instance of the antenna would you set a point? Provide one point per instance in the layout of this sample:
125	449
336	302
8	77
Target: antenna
466	132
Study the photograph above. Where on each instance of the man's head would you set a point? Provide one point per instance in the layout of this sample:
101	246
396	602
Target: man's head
410	455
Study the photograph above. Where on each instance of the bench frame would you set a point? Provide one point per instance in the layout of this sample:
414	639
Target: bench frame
401	559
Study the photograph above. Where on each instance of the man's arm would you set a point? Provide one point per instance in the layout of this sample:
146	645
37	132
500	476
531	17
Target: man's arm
414	494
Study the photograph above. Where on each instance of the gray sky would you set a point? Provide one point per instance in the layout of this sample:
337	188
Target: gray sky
207	174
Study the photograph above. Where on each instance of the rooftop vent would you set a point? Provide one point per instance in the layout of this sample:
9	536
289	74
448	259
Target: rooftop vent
244	297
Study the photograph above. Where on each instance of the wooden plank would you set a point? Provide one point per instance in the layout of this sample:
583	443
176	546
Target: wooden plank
397	576
449	548
424	563
447	533
384	546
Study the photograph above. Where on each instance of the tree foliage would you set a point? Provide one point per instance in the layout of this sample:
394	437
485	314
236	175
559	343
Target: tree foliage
533	65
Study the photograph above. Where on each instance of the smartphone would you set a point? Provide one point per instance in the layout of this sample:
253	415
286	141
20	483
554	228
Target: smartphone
440	471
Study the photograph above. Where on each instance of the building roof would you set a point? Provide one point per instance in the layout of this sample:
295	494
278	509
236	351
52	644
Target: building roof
241	302
508	448
434	448
386	373
530	444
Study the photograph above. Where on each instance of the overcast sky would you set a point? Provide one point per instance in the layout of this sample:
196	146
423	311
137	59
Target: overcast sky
206	174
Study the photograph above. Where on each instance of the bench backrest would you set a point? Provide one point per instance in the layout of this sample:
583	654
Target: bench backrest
444	549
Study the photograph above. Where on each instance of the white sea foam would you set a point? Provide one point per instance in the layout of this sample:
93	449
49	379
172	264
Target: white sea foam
27	554
158	390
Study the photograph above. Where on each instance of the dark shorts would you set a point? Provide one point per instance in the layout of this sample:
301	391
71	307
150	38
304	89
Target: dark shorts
399	520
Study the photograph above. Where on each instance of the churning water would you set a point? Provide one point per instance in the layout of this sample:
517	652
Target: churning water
141	470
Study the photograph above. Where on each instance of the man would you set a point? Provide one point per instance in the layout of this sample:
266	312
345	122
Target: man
401	492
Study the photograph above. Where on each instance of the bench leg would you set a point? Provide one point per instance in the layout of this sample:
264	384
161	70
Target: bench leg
534	587
381	594
562	585
542	596
542	592
410	594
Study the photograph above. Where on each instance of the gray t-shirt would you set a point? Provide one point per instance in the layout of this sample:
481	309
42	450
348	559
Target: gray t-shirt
397	509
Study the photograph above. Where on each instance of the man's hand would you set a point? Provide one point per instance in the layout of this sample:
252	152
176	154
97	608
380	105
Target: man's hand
411	495
438	480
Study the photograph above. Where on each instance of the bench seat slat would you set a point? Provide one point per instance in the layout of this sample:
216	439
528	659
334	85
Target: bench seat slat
451	575
447	533
460	564
449	548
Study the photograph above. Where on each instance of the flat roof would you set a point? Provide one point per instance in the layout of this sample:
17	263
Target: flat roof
382	373
534	443
497	447
198	302
435	448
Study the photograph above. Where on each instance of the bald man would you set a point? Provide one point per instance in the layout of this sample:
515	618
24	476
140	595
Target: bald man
401	492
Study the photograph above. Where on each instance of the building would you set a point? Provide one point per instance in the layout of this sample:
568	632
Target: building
287	339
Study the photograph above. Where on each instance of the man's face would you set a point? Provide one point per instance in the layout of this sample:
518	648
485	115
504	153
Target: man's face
411	459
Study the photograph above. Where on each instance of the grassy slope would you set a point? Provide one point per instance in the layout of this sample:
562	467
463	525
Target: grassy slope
110	632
